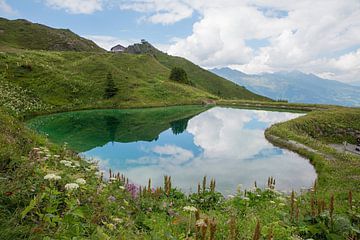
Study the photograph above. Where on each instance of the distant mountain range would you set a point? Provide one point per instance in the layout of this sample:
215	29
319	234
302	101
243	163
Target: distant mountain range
295	86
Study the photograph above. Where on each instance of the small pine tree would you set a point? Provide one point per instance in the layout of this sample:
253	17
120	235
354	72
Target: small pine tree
110	88
179	75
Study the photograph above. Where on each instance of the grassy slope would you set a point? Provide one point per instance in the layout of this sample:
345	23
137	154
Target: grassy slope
26	35
74	80
201	78
338	173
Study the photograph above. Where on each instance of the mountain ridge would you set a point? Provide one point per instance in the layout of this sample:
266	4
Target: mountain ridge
295	86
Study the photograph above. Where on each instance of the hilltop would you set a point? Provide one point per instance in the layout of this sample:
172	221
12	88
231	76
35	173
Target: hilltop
201	78
22	34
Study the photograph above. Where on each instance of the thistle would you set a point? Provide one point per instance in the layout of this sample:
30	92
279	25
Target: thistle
331	208
232	228
149	186
270	233
212	185
350	198
257	231
212	229
204	184
292	205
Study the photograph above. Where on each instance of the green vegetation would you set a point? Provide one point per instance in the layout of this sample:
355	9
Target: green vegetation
199	77
179	75
110	89
61	81
49	192
15	34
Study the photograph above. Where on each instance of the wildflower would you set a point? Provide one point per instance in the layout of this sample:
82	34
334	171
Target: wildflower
77	164
117	220
246	198
71	186
80	181
239	187
56	156
122	187
190	209
52	176
230	196
281	204
200	223
111	199
66	163
272	202
112	179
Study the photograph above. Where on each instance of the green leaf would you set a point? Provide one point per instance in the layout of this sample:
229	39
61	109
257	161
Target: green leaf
32	205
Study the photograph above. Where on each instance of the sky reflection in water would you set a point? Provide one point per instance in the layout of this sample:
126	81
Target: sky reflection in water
222	143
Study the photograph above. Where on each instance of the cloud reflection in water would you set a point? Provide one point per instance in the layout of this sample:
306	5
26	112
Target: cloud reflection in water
224	143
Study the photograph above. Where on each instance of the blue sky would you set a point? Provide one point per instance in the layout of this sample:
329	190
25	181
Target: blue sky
253	36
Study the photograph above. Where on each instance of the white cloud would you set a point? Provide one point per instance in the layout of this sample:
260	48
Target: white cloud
233	151
76	6
6	8
107	42
301	34
163	11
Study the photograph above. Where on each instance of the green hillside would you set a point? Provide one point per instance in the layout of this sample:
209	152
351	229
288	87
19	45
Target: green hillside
201	78
40	81
26	35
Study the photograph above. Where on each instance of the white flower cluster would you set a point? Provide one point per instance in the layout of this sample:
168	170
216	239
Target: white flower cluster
80	181
19	100
52	176
190	209
71	186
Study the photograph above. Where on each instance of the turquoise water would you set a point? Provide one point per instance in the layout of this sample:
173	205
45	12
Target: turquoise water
186	143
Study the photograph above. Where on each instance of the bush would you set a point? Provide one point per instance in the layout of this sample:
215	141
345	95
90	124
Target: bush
179	75
110	88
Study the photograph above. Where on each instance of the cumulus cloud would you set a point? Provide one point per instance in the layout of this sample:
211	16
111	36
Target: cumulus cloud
233	150
76	6
299	34
6	8
162	11
107	42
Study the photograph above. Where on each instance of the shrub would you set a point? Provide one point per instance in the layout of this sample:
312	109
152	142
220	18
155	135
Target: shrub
179	75
110	88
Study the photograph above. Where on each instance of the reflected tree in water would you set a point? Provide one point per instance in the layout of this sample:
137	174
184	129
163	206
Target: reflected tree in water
179	126
112	124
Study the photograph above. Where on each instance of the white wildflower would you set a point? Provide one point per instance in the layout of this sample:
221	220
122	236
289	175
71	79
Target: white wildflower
52	176
200	223
122	187
117	220
71	186
230	196
80	181
66	163
190	209
272	202
246	198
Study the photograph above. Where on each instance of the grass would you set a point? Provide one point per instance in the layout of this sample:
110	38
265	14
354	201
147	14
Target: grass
200	77
22	34
38	206
338	173
61	81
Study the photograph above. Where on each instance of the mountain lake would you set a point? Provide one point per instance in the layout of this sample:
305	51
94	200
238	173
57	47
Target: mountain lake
185	142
